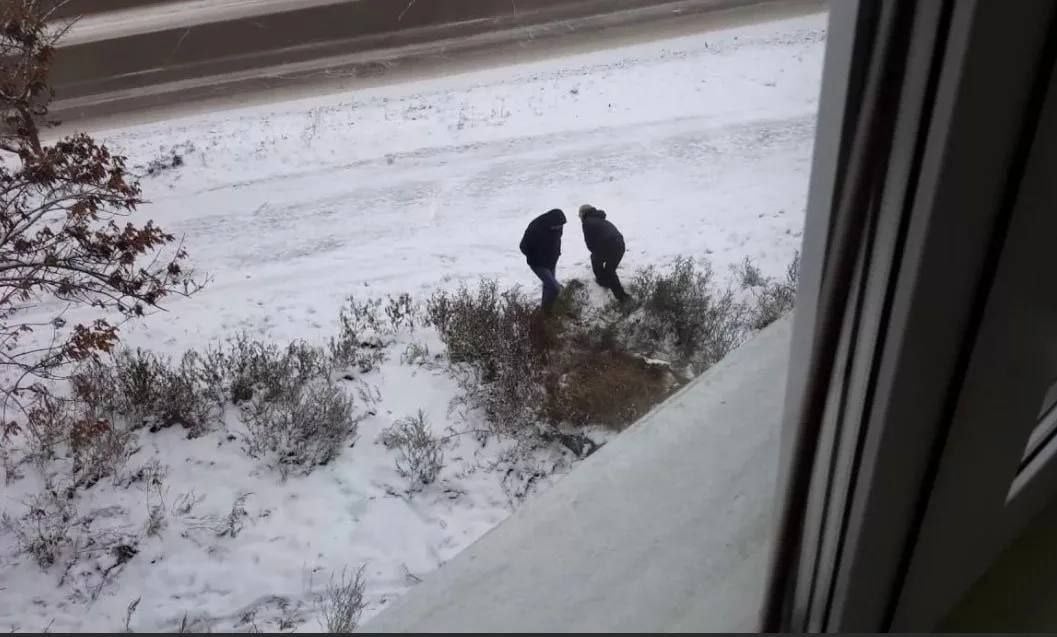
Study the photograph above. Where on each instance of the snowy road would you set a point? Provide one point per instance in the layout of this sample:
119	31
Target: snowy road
698	145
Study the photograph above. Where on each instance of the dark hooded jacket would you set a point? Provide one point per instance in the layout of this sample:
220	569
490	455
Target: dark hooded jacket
542	243
601	236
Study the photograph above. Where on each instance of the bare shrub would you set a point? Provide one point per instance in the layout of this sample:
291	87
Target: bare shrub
303	427
572	303
150	475
421	456
415	354
401	312
107	552
342	603
9	466
307	362
294	414
198	382
193	625
186	502
47	428
683	315
212	373
157	511
229	524
771	298
44	529
468	321
362	335
99	448
233	523
499	341
151	391
139	376
95	385
254	368
184	398
156	520
91	548
370	396
259	370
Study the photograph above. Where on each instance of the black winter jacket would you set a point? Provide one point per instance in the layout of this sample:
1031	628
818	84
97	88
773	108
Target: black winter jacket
542	243
601	236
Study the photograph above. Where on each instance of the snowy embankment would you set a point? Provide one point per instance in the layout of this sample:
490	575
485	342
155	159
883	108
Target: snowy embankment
695	146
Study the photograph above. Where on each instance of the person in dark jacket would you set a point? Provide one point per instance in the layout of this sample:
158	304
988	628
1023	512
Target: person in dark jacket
542	245
606	245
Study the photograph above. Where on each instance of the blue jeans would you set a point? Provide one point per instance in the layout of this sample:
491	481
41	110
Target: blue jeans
551	287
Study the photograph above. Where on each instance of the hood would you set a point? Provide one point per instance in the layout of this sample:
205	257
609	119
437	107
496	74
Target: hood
590	212
554	217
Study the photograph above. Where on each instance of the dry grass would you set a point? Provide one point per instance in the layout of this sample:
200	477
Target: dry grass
605	387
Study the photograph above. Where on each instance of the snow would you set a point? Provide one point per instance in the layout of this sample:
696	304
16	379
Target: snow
666	529
694	146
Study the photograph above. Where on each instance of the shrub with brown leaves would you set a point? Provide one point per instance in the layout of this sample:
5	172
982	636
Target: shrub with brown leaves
64	229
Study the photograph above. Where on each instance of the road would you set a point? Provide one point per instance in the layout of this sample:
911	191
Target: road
95	27
100	81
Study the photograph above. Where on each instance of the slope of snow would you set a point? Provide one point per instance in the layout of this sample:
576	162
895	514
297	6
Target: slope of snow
695	146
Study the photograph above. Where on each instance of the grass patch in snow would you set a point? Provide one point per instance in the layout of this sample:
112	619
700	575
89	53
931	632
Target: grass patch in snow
608	387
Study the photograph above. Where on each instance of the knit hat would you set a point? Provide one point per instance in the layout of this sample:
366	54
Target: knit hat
586	208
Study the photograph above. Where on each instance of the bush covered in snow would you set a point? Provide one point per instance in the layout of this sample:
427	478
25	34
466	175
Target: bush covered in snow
304	426
96	448
360	339
683	315
496	339
421	456
293	412
89	547
771	298
342	603
147	390
366	329
261	371
45	528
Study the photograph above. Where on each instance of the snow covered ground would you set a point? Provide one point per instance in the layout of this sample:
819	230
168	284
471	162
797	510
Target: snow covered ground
695	146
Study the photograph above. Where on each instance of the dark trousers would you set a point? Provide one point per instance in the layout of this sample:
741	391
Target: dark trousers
604	263
551	287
